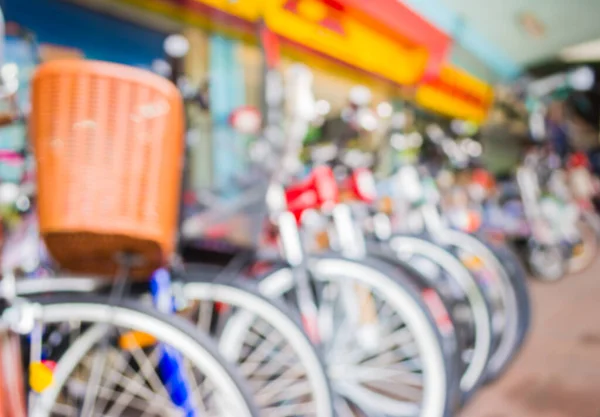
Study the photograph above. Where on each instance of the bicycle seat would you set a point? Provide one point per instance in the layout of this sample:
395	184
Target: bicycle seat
318	191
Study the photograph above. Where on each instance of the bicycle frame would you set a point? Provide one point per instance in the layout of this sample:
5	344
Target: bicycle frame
170	367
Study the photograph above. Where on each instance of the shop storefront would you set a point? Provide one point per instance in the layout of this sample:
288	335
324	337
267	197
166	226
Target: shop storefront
65	30
456	94
388	48
97	36
344	42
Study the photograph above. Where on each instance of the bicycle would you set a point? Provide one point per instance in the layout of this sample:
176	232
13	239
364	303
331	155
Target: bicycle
221	298
556	237
504	291
79	338
442	272
311	283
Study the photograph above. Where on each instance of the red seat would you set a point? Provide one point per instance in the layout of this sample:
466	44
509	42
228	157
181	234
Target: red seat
319	190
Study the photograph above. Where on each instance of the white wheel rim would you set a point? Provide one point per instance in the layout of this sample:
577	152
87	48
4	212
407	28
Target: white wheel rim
231	340
127	318
483	342
434	386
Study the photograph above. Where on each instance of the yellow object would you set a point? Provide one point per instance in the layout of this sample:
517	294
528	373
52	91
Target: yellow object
313	10
192	18
244	9
456	94
135	340
386	205
316	26
432	99
322	240
472	262
40	377
312	24
343	38
466	82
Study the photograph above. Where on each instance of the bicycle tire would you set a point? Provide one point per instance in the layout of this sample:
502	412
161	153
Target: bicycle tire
440	309
401	296
474	374
244	296
518	276
515	318
196	347
589	231
547	263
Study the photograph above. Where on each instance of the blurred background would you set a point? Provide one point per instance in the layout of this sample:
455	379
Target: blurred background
475	49
479	69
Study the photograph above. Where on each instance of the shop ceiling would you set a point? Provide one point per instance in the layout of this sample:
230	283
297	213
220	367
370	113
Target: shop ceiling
510	35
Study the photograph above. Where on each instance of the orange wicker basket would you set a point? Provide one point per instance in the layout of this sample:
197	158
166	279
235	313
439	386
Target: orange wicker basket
108	141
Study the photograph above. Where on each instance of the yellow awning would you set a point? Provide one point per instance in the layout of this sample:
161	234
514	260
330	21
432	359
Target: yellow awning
314	25
456	94
327	30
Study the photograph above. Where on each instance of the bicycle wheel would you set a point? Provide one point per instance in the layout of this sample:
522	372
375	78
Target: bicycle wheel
547	263
471	312
440	309
518	277
510	317
266	343
405	374
585	252
81	331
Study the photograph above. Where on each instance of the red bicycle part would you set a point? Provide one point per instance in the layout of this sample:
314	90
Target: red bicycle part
361	185
221	307
311	327
578	160
259	268
217	231
438	310
474	221
318	191
12	397
483	178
